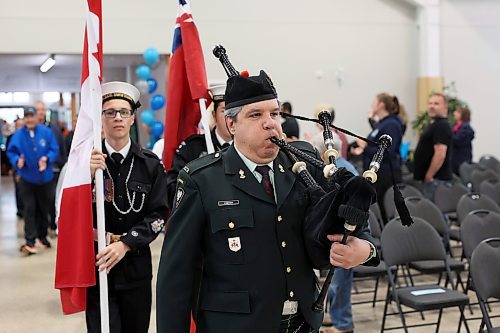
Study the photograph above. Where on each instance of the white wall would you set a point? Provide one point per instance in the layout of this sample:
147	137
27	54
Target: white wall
471	58
300	43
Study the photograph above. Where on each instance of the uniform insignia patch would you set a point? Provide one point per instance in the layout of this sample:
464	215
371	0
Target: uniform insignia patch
281	168
234	244
179	196
242	174
228	203
156	225
186	169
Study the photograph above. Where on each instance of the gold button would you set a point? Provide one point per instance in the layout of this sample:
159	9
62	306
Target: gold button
231	225
283	244
291	293
280	218
288	269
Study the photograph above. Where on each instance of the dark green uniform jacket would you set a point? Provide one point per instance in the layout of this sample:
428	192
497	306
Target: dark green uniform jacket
253	249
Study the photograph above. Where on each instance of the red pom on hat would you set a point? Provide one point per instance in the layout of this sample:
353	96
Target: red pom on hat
245	74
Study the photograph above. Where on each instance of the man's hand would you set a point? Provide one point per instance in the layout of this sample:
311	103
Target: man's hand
20	162
97	161
350	255
111	255
42	163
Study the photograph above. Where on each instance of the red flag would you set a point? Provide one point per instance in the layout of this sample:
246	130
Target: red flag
75	263
187	83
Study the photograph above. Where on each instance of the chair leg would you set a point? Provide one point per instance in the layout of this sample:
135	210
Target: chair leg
462	318
387	298
438	323
402	315
375	292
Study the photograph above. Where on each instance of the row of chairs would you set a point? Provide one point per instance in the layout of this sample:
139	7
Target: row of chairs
425	210
421	245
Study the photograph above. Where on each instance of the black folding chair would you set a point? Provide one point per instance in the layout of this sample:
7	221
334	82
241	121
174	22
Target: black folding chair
485	272
491	188
402	245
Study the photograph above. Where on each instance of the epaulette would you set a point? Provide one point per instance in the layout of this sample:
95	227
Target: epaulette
188	141
202	162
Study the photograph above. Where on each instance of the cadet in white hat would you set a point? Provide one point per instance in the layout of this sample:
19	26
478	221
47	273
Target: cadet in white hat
195	146
135	206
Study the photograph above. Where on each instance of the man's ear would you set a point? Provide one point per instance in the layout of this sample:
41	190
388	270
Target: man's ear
230	124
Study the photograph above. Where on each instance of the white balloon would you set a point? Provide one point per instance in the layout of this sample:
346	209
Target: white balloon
142	85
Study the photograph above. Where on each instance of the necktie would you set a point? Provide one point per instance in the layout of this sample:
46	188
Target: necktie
225	145
266	181
117	157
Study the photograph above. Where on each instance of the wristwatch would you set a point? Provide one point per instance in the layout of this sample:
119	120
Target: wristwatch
373	252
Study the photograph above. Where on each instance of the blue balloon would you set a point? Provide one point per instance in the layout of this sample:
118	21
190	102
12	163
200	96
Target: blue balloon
148	117
143	72
157	102
157	129
152	84
151	56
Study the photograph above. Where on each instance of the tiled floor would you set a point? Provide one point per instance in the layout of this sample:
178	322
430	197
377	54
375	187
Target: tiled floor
29	302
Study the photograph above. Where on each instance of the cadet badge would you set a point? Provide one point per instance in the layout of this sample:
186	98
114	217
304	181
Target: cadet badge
242	174
156	225
179	196
108	189
281	168
234	244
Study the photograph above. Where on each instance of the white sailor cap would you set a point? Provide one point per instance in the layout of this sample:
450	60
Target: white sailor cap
121	90
218	92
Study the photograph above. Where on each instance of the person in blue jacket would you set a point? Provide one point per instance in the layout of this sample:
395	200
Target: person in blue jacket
463	134
33	150
386	107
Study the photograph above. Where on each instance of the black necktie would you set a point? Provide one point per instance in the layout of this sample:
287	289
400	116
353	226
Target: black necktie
266	181
225	145
117	157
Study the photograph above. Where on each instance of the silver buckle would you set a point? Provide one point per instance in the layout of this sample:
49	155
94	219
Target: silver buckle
290	308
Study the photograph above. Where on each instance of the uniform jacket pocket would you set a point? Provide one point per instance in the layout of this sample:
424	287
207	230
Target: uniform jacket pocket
230	235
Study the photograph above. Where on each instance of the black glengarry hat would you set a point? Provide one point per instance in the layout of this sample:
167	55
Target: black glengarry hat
242	90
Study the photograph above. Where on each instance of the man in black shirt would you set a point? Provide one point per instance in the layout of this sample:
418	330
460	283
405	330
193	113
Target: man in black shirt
432	156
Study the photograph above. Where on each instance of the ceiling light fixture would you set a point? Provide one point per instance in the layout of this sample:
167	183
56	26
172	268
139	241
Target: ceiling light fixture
48	64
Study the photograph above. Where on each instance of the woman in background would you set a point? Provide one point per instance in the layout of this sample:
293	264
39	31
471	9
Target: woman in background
463	134
386	109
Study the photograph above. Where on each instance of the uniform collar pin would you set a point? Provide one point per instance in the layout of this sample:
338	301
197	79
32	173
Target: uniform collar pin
282	170
242	174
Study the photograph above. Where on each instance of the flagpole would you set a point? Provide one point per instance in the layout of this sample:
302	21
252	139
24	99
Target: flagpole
101	239
205	120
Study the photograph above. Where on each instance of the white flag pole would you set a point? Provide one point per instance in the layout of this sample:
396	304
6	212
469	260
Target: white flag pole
96	107
205	121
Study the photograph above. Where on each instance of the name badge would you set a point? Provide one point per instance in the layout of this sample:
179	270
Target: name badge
228	203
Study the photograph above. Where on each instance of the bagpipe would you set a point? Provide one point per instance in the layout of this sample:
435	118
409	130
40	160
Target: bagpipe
341	203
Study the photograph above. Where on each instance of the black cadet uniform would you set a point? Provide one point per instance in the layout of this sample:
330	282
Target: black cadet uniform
129	282
192	148
253	248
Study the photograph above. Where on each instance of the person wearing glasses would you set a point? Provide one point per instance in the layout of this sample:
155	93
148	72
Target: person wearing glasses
135	207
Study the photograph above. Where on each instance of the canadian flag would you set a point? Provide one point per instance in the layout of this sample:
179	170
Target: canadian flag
75	263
